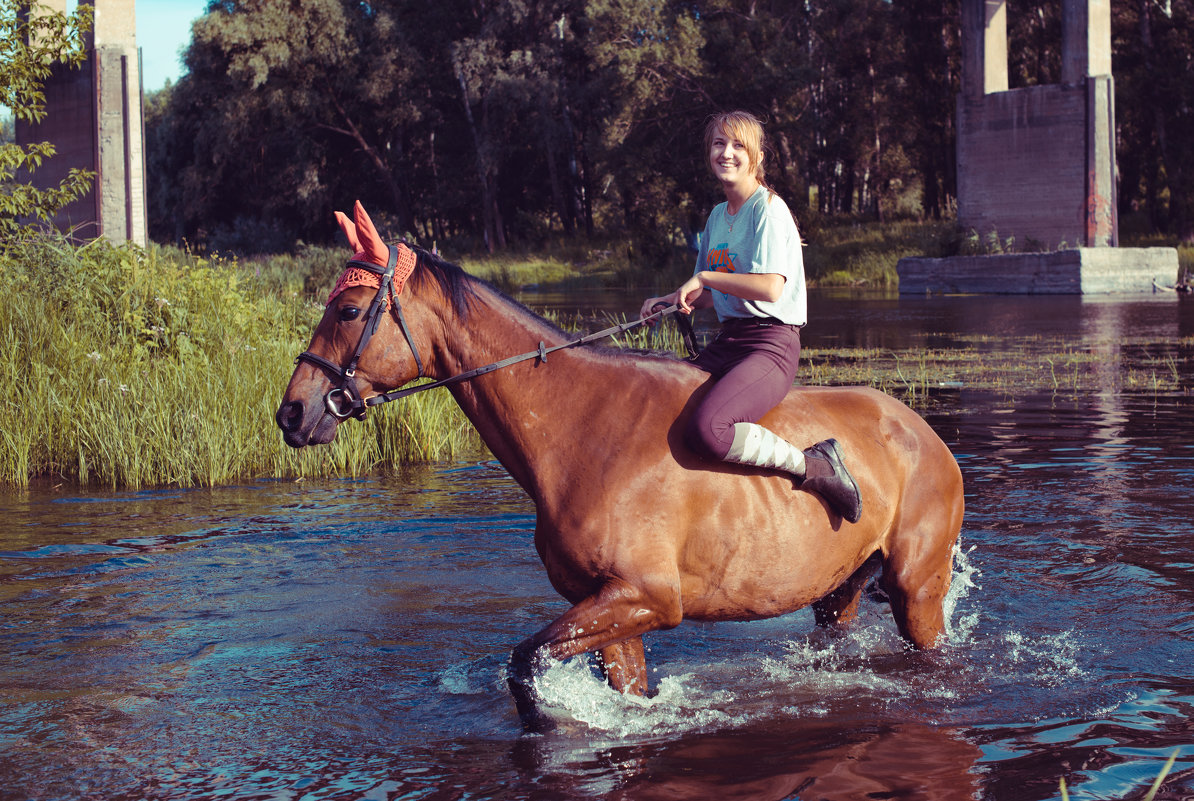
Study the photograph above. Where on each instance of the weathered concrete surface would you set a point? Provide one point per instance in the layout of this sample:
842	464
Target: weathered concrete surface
94	120
1037	163
1062	272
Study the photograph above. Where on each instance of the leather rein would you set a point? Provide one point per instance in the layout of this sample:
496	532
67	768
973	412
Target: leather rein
345	398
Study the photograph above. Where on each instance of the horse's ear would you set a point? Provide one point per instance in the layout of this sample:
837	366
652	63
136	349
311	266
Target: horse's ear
371	245
350	231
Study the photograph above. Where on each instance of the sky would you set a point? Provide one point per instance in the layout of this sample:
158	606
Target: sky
163	32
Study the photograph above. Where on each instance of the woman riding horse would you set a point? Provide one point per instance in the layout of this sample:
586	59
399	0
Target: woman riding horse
751	271
616	526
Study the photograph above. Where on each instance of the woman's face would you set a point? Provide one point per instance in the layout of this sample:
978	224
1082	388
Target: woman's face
730	159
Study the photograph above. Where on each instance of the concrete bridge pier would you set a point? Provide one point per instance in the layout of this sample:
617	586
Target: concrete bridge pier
1036	165
94	120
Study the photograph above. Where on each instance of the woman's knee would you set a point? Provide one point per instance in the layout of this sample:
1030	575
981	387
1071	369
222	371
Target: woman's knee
707	438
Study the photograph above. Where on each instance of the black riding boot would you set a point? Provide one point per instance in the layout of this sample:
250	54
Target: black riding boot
817	469
826	475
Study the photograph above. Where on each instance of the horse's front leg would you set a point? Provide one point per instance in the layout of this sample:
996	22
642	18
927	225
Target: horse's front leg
613	622
625	666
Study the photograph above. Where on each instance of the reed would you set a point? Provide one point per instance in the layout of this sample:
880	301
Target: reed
133	367
1152	790
846	254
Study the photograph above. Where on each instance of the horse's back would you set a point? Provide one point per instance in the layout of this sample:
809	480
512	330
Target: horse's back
757	546
876	427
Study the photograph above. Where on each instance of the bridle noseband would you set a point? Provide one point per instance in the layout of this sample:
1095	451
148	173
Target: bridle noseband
345	399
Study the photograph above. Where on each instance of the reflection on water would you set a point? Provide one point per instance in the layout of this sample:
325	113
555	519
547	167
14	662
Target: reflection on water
347	639
841	318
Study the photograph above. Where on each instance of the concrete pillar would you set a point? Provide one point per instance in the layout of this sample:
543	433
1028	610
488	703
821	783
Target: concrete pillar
1102	203
1086	40
1037	163
120	131
94	120
984	56
1086	61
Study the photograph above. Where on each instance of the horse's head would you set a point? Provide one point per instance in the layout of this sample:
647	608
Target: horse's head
359	349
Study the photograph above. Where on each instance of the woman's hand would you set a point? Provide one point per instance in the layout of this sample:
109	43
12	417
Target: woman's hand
650	303
689	292
687	298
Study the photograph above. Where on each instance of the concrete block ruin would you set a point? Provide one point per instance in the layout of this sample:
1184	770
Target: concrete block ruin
1036	165
94	120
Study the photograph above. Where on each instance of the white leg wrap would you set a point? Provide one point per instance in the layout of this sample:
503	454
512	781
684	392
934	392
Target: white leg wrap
760	447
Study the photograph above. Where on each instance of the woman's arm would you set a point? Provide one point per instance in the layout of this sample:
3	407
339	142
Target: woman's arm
748	286
693	293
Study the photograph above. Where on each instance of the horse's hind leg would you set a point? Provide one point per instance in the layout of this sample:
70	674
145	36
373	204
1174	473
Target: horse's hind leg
917	571
840	607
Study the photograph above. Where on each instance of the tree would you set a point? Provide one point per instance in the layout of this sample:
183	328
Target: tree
32	40
1154	98
284	105
499	122
931	68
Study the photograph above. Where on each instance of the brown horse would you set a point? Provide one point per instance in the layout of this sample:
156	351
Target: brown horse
635	531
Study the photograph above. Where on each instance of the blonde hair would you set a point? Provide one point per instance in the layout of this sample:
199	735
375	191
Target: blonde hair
745	128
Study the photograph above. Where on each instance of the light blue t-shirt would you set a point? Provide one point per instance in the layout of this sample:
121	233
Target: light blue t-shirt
760	238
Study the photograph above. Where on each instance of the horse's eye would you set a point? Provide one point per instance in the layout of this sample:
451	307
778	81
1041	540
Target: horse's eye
349	313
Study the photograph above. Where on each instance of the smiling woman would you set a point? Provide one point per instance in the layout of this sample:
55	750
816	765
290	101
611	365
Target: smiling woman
750	270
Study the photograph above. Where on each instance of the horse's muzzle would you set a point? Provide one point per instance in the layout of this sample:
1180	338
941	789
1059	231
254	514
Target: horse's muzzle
298	431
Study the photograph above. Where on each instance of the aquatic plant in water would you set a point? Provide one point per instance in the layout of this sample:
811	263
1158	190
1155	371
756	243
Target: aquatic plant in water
1152	791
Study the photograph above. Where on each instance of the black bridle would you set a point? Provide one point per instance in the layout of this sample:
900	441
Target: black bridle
345	400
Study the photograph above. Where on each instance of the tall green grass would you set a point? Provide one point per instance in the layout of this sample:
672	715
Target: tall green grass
129	368
867	254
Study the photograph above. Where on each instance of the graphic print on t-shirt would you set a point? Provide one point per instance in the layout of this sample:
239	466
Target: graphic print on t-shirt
720	259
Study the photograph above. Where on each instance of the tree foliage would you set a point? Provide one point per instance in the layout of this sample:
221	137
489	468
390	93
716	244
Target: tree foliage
500	123
32	40
1154	69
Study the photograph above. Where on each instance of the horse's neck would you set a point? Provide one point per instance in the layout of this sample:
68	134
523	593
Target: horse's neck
532	415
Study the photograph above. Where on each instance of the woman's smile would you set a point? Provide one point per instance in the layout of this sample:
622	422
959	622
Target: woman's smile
728	158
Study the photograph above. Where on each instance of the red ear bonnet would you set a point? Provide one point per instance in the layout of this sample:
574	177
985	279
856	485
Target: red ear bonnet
369	247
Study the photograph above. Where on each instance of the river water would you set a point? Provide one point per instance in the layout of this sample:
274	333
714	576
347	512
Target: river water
346	639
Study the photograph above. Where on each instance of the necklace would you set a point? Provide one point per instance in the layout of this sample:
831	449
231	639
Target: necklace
730	218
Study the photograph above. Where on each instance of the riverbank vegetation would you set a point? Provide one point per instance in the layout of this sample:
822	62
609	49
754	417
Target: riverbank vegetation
131	368
506	127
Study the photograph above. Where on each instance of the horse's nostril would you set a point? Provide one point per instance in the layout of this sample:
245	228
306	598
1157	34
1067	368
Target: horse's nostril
290	416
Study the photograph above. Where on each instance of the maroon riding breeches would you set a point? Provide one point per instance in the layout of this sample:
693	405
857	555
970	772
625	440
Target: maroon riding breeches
754	363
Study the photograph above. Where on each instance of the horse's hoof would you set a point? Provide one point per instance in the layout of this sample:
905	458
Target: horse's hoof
525	663
535	722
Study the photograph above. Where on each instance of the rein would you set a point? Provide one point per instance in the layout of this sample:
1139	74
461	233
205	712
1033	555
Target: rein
344	400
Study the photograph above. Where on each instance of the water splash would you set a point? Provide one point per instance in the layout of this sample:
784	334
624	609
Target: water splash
815	676
960	628
572	692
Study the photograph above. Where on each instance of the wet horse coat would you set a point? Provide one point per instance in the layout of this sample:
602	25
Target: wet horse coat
633	529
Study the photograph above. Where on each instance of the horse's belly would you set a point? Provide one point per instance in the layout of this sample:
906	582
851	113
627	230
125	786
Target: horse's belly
771	576
722	607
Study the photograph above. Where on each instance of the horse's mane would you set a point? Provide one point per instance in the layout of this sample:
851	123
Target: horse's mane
460	288
454	282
